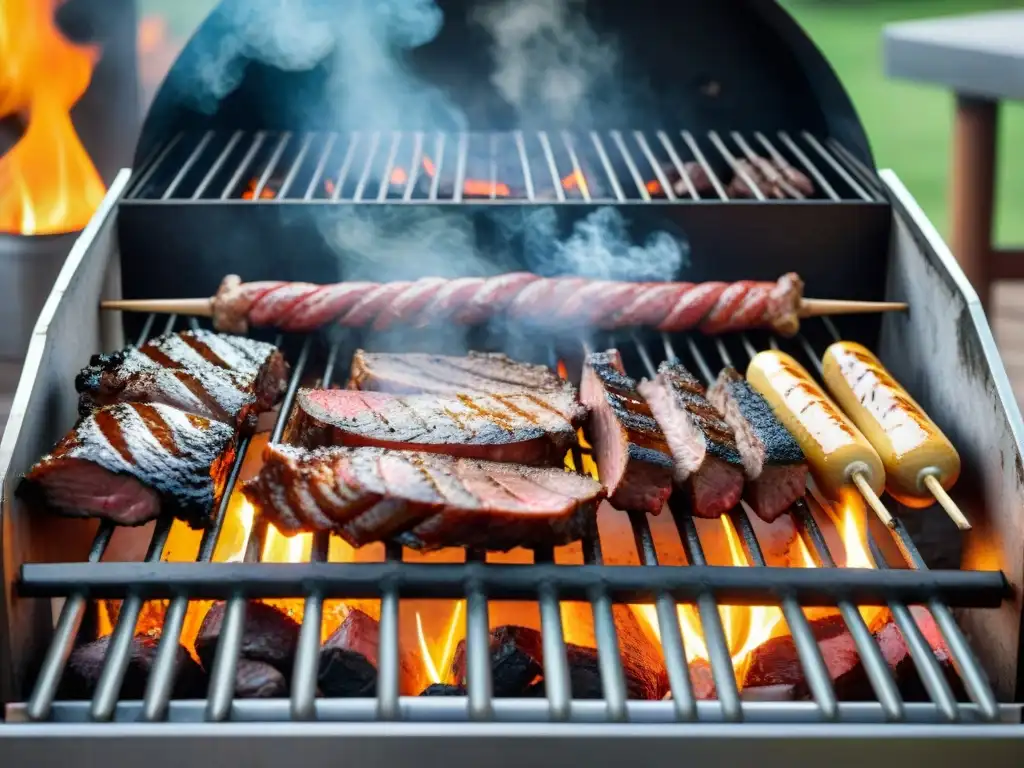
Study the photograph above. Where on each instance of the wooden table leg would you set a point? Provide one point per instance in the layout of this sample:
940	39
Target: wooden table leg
972	190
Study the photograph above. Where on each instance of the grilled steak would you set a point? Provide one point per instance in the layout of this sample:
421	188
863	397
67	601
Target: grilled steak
772	460
224	378
513	427
703	446
129	462
632	456
422	500
486	373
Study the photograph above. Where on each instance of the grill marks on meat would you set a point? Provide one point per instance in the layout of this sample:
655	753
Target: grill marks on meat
772	460
703	445
485	373
224	378
423	500
630	449
512	427
128	462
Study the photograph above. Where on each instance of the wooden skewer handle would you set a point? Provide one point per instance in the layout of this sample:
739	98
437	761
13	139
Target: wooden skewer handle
819	307
932	484
192	307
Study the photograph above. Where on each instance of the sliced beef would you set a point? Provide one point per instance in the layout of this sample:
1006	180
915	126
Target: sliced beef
224	378
477	373
475	426
774	465
127	463
632	455
423	500
86	663
703	446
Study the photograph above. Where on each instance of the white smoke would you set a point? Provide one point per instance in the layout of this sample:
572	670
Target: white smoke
548	59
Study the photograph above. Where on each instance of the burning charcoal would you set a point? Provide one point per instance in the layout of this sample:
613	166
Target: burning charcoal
259	680
443	689
86	664
348	661
268	635
641	657
897	656
702	680
516	654
776	662
517	660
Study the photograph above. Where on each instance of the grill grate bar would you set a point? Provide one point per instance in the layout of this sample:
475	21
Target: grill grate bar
549	157
346	166
364	177
222	158
479	682
680	166
836	166
321	164
293	170
613	681
819	178
631	165
275	158
699	155
525	163
461	159
556	665
435	182
389	166
236	177
158	159
388	669
414	166
577	170
606	162
187	165
776	175
666	186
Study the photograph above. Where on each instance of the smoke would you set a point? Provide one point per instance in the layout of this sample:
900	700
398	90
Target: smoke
600	246
548	60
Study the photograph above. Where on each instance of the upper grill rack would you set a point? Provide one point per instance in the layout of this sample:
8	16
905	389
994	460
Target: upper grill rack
552	167
545	583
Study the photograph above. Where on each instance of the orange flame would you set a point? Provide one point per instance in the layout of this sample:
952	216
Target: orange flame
439	672
265	194
48	183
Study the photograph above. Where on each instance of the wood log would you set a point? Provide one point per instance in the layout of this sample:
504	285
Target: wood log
85	665
259	680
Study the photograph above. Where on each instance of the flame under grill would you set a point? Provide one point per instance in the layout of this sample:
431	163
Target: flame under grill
553	167
546	583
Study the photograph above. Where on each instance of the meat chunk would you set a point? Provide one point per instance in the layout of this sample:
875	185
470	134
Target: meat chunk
269	636
773	179
632	455
129	462
704	451
224	378
772	460
485	373
513	427
423	500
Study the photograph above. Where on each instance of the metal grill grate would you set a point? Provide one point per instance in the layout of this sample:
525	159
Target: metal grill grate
555	167
545	583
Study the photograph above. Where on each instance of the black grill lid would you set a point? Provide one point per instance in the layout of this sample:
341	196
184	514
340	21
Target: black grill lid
740	65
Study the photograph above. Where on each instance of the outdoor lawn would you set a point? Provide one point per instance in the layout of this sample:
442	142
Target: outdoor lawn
910	125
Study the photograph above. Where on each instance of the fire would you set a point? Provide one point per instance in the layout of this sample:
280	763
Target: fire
438	672
265	194
851	522
48	183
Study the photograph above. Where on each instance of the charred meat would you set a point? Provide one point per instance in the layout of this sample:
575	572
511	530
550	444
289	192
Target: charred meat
772	460
423	500
513	427
772	178
129	462
703	445
630	449
224	378
485	373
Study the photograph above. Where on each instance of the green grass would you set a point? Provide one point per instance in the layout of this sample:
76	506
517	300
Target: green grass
910	125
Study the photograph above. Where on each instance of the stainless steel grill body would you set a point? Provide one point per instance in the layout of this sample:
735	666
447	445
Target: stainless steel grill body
942	349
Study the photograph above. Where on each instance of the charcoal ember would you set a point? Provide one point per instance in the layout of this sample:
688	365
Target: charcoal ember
87	661
348	661
259	680
268	635
517	661
897	656
777	663
443	689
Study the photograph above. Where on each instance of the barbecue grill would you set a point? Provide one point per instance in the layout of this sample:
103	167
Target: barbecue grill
230	190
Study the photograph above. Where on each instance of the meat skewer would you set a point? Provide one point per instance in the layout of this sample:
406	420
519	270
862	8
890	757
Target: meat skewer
711	307
920	462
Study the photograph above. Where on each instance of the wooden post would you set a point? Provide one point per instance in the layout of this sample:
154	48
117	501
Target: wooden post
972	190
